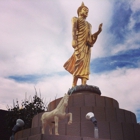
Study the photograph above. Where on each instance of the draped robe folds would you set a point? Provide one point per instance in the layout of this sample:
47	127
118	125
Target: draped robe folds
79	62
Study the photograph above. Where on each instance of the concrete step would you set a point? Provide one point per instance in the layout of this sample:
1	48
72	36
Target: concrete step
60	137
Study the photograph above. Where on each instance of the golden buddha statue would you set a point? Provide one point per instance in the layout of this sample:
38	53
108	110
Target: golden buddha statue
82	41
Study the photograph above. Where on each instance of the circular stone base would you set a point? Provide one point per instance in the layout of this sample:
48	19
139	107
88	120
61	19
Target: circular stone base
90	88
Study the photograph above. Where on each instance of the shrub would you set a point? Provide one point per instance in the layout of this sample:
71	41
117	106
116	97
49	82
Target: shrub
26	111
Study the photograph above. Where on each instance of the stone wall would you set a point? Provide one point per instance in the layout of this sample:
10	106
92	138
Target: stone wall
113	123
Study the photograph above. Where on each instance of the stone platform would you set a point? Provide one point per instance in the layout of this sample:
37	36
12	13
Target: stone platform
113	123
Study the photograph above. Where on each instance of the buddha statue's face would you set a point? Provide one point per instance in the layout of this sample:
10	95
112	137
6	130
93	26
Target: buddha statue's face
84	12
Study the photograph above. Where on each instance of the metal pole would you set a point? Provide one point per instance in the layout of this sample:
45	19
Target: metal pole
96	133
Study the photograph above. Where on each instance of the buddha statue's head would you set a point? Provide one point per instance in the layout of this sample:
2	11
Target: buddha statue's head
82	10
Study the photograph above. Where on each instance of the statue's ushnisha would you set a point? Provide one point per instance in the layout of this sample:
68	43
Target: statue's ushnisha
82	41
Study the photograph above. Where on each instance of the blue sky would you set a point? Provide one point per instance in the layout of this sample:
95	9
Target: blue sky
35	42
129	59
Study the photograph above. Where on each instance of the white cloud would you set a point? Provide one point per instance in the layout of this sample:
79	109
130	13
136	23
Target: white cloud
49	88
135	5
121	84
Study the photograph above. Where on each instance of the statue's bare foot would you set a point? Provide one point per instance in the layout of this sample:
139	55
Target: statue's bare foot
56	134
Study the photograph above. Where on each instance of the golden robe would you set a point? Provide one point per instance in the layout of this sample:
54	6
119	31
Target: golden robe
79	62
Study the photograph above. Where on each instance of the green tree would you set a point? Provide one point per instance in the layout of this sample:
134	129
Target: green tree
26	111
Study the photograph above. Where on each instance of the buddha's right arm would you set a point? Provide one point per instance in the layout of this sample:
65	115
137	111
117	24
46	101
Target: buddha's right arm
74	32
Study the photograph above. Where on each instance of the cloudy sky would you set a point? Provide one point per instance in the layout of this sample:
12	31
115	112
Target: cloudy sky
35	42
